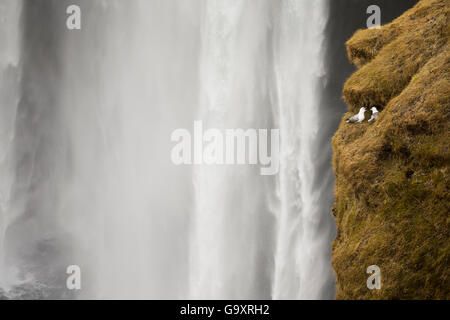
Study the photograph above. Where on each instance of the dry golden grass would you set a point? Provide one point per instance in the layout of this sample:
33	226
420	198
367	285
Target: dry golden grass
396	53
392	177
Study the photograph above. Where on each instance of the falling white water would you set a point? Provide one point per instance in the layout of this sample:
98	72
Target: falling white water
85	170
231	246
94	184
302	269
10	72
141	67
262	67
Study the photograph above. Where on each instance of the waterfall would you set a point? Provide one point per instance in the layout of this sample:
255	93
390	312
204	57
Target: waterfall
232	223
262	67
10	73
136	81
85	171
302	269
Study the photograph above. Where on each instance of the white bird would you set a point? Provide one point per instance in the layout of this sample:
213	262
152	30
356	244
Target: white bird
357	118
375	114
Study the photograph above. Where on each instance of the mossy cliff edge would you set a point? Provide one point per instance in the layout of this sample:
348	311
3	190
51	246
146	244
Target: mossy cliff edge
392	176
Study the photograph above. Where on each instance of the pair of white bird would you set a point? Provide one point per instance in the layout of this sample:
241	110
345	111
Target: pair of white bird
359	117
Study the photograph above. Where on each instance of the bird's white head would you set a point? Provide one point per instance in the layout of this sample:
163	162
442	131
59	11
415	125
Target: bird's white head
362	110
374	109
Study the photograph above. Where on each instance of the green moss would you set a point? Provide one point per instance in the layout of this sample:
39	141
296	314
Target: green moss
392	177
395	53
